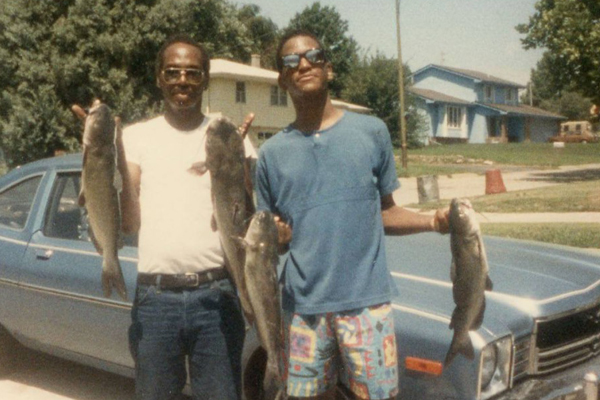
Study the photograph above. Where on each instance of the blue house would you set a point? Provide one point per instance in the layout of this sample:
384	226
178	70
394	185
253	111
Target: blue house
469	106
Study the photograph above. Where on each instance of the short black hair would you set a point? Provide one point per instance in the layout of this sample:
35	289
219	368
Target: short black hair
186	39
292	34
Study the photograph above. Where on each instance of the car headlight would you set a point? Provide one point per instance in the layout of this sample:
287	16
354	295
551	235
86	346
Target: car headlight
494	367
489	361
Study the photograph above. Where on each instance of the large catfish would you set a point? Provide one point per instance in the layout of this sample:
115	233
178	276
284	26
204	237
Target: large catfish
232	204
469	273
260	272
100	188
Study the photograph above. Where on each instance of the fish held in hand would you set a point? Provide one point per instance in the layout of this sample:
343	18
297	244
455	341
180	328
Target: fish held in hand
101	183
232	204
260	273
469	274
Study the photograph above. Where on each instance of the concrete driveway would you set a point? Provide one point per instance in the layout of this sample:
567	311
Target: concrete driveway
43	377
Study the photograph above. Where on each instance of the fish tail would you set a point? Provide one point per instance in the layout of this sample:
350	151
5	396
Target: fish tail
460	344
112	277
273	385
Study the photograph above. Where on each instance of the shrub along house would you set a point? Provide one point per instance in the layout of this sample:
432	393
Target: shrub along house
469	106
237	89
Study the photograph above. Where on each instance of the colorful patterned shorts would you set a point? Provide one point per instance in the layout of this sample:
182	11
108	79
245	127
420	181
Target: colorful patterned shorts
357	346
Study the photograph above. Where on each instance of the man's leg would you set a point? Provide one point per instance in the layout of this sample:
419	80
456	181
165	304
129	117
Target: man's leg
311	356
215	337
155	344
367	342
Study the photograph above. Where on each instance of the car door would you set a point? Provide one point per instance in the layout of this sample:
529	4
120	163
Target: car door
62	270
17	202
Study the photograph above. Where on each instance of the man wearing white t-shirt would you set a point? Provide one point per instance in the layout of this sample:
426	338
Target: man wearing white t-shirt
185	304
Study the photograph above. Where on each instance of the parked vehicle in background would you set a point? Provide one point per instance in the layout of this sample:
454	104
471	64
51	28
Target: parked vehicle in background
540	337
575	132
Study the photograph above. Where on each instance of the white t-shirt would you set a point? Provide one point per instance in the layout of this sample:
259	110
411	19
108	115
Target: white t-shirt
176	208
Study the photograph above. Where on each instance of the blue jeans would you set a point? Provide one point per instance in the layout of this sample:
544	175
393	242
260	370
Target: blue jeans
205	324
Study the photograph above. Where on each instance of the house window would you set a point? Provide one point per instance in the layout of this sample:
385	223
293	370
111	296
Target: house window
488	94
454	117
278	96
510	95
240	92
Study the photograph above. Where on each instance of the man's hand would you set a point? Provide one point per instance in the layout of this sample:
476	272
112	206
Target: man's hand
284	232
78	111
245	127
441	224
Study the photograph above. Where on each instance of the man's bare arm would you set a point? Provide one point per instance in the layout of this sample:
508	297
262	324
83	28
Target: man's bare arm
400	221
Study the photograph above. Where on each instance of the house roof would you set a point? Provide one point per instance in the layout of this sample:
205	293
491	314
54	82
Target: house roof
220	68
524	110
476	75
432	95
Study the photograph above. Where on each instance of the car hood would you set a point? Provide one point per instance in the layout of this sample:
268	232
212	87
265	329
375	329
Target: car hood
530	279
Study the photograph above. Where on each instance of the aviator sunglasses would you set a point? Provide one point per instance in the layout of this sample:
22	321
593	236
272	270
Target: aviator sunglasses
193	76
313	56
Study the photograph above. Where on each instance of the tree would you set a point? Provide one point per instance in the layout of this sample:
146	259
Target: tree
263	33
375	85
327	24
551	94
545	79
570	30
57	53
570	104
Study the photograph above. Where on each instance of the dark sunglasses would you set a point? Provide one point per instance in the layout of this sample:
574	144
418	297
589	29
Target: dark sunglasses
313	56
193	76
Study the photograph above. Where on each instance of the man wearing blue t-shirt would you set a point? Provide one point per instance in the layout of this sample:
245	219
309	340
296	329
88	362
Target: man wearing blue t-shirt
329	177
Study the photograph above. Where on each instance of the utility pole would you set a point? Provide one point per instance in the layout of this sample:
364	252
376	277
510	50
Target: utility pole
530	89
402	120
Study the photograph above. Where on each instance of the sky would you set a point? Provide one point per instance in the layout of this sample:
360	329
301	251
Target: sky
471	34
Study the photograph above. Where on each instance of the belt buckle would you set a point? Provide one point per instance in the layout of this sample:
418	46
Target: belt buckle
192	279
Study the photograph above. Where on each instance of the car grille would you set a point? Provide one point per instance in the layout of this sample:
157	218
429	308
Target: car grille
566	340
522	352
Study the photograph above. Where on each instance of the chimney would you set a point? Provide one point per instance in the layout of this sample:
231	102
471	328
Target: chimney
255	60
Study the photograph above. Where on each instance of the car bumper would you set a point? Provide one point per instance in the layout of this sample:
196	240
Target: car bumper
580	383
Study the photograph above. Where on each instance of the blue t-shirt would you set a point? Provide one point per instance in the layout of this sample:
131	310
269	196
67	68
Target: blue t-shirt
328	185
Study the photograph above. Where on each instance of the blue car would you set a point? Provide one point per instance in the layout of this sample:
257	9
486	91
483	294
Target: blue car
540	338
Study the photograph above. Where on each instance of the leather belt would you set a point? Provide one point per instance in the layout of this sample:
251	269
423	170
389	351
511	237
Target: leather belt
182	281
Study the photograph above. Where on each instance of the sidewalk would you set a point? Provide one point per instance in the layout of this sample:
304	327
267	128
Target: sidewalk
472	185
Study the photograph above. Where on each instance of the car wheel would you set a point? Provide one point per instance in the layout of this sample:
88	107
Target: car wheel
8	353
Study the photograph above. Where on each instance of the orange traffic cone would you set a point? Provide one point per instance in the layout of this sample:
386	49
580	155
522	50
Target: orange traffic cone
493	182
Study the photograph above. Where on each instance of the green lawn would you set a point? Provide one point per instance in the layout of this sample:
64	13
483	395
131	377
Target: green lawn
566	197
584	235
450	159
